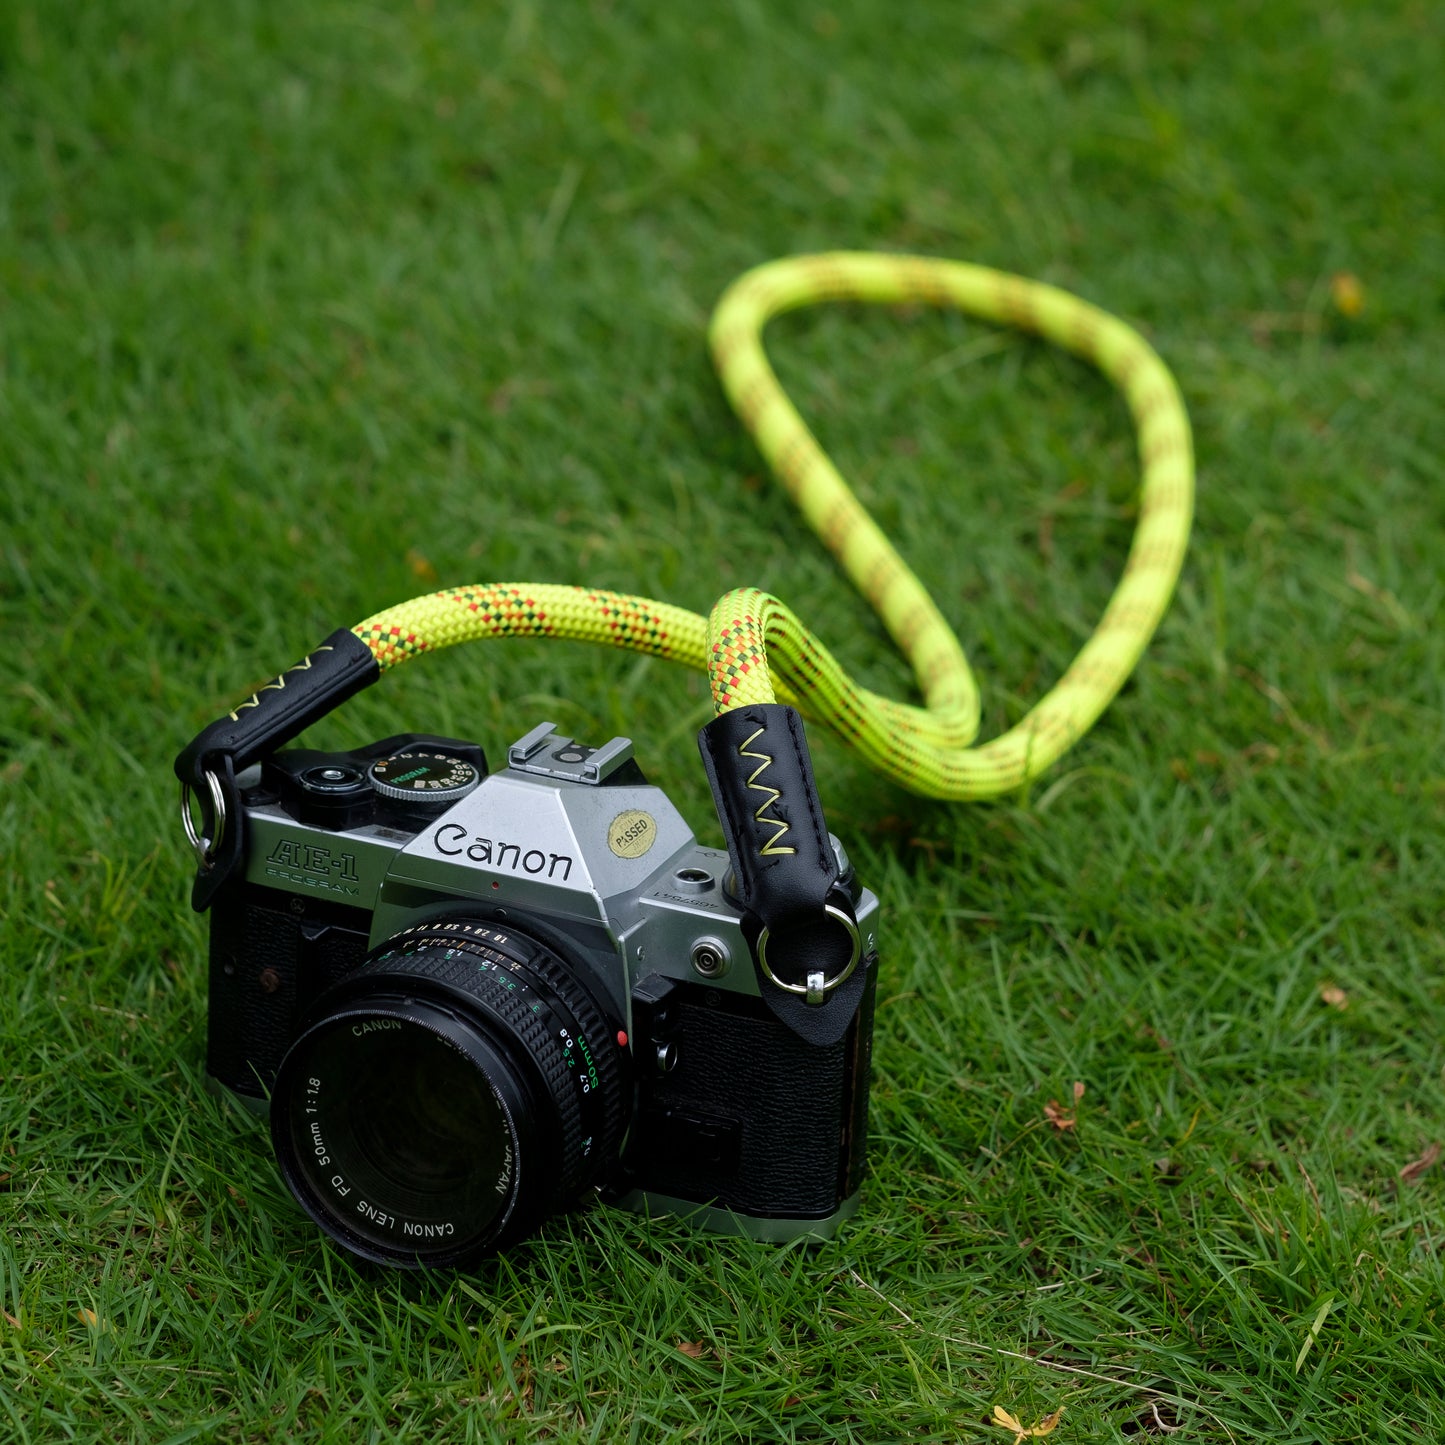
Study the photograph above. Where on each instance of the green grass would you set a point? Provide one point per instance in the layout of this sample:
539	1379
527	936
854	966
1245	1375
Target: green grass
301	305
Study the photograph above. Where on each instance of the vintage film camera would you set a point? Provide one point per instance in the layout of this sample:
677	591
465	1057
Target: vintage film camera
470	999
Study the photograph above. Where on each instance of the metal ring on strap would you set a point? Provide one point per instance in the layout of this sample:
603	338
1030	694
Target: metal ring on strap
206	849
817	986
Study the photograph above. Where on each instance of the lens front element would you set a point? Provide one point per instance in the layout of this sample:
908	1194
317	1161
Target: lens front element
450	1094
401	1131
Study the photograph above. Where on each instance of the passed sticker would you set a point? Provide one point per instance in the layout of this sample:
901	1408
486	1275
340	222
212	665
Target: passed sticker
632	833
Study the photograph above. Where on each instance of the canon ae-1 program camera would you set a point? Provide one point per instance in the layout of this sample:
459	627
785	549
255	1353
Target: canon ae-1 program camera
472	998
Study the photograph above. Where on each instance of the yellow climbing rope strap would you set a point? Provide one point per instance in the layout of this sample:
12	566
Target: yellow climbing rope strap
755	650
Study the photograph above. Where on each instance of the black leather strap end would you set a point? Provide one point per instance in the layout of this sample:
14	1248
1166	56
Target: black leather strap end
785	869
273	715
761	774
286	706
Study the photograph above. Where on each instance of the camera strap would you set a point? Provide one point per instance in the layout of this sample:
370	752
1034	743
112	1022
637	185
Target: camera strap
271	716
802	928
761	661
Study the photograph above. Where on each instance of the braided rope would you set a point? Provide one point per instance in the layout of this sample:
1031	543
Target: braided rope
755	650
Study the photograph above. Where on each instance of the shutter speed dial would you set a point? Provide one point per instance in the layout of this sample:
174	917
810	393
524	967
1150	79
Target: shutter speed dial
428	779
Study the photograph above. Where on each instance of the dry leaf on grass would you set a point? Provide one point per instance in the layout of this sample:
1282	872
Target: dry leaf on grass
1348	293
1045	1426
1059	1116
694	1349
420	566
1411	1173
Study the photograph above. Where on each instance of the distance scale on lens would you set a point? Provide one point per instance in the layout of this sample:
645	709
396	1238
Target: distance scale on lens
429	778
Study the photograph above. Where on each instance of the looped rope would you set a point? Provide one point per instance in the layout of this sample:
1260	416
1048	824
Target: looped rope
756	650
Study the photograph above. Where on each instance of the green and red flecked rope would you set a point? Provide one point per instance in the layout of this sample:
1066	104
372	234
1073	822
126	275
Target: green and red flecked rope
755	650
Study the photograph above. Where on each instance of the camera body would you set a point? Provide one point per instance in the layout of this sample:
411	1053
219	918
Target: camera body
552	937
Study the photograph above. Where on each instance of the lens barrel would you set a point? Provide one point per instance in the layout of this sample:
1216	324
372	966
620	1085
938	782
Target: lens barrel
450	1094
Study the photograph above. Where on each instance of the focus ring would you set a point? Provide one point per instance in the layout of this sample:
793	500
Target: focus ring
604	1105
429	963
530	998
599	1032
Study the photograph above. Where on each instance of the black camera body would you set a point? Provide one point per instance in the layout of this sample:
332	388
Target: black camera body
472	998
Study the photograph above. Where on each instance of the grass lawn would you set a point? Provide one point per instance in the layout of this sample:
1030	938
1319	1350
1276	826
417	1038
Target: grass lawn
305	309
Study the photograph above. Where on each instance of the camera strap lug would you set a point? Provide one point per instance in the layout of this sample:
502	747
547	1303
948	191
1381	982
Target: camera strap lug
802	928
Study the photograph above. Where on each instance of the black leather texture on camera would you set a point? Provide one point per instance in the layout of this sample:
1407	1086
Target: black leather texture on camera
273	715
761	774
783	1138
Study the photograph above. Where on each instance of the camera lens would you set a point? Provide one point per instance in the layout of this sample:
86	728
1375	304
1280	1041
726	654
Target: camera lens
398	1135
449	1095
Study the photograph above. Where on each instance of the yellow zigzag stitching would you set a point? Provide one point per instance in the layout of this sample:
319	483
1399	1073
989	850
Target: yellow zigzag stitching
278	684
770	849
